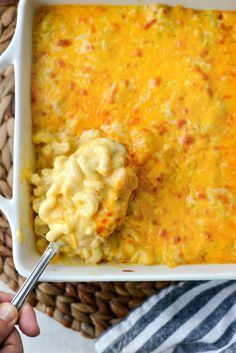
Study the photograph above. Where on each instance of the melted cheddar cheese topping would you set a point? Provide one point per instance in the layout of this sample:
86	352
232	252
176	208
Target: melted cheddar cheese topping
162	82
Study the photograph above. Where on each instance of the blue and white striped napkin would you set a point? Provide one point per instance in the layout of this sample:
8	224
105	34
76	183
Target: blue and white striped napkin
190	317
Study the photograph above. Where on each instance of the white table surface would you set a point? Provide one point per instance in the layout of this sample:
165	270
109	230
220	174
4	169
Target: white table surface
54	337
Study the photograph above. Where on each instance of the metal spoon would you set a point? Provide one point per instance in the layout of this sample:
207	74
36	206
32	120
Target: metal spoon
27	286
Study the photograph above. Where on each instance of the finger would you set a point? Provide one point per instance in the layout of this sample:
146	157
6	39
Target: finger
5	297
13	343
28	322
8	319
27	318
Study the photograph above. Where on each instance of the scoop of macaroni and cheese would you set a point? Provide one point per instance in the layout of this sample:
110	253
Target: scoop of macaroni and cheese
85	196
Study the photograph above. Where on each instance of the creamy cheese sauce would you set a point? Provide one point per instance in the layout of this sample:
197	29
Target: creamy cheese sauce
84	197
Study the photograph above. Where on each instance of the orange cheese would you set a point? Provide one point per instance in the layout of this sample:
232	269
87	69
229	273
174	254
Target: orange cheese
161	81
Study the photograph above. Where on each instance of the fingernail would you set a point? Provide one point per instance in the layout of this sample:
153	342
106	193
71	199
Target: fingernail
8	312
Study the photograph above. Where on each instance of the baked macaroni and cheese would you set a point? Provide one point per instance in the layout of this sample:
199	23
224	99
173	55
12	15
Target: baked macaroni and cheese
134	127
84	197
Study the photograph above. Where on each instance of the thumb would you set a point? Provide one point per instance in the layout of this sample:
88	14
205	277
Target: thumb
8	319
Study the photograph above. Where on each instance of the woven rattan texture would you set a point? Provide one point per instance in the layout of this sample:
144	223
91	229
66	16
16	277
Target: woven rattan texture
86	307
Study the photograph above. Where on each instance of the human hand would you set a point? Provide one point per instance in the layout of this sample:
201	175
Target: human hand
10	341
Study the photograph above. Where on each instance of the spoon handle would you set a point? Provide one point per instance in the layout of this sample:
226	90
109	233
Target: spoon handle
29	283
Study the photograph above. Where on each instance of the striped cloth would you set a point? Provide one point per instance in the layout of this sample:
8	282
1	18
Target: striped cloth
190	317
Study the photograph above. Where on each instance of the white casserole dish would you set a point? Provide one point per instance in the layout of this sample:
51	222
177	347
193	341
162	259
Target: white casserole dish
17	209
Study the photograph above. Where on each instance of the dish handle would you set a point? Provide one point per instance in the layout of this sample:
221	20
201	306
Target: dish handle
6	206
7	57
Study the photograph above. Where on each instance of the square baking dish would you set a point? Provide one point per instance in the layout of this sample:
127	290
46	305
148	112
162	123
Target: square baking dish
18	208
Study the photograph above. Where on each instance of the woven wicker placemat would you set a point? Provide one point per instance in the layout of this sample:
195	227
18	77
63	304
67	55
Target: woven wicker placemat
86	307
